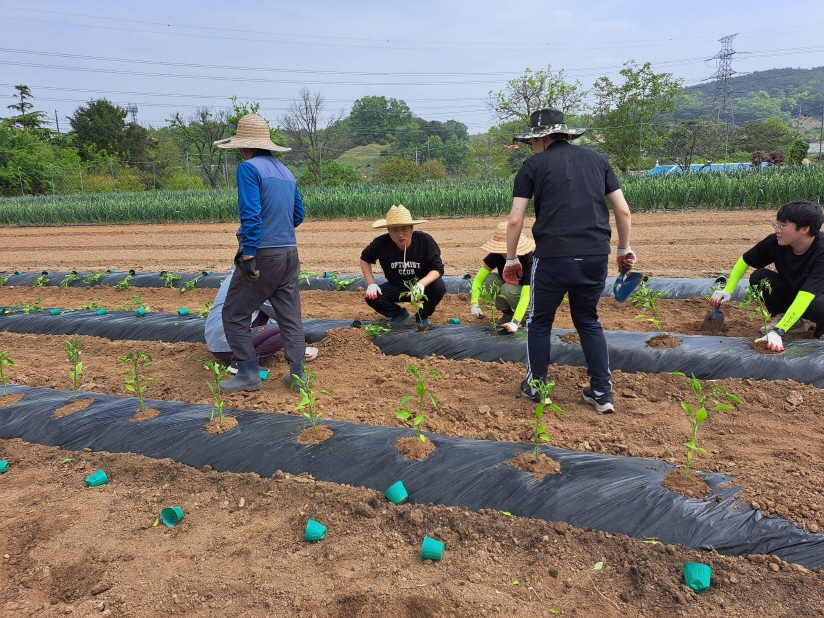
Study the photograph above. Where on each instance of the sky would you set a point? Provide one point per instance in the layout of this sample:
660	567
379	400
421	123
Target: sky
441	57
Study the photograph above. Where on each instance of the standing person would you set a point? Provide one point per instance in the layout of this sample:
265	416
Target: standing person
571	186
512	300
267	262
404	255
796	249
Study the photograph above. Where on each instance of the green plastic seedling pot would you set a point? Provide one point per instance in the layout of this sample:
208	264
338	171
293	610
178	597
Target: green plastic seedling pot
327	275
397	493
4	465
140	311
315	531
101	311
54	312
97	479
206	273
18	272
356	323
431	549
454	321
111	271
263	373
183	311
697	576
171	515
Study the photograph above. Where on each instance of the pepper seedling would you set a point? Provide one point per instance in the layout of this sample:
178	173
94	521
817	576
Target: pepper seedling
308	397
644	298
218	371
543	388
169	279
72	276
5	361
125	283
373	330
4	278
73	350
304	275
41	280
489	297
135	302
136	382
416	297
755	296
699	414
341	284
207	307
93	278
420	389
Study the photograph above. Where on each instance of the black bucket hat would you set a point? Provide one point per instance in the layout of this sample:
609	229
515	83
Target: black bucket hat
547	121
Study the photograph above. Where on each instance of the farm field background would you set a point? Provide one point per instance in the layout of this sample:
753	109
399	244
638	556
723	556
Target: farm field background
85	551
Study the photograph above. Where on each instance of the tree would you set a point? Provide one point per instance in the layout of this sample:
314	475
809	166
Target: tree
767	135
401	170
531	91
689	140
312	138
26	161
798	152
26	118
627	116
335	174
198	134
98	126
373	118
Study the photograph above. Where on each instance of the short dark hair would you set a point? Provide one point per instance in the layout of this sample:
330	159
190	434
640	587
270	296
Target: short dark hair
803	213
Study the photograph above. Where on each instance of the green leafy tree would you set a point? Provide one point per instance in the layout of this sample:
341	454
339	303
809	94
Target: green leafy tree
398	170
373	118
532	91
798	152
335	174
197	134
26	118
767	135
628	116
100	127
691	140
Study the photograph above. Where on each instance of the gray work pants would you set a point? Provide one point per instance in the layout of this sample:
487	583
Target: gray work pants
278	282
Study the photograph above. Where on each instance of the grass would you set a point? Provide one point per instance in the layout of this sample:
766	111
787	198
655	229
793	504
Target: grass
765	189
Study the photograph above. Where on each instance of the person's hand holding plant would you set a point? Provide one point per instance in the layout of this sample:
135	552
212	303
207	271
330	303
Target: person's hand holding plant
476	311
773	340
511	327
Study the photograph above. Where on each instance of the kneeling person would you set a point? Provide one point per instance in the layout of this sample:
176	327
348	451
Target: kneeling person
796	286
512	300
404	255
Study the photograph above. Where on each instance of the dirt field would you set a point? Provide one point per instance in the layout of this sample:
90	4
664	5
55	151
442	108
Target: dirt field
74	551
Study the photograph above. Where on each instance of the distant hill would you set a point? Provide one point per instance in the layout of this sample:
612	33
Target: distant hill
761	94
364	158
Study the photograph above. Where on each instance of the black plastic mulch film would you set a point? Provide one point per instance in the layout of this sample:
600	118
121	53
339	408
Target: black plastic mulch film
676	288
622	495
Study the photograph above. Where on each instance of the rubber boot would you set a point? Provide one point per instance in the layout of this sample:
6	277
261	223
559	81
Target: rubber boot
247	377
296	375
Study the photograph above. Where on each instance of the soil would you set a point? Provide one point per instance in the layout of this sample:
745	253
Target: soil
315	435
414	448
545	465
69	550
71	408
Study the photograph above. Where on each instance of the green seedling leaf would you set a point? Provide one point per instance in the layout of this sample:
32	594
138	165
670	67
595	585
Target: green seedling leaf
598	566
156	521
65	461
554	610
650	542
405	414
516	583
507	513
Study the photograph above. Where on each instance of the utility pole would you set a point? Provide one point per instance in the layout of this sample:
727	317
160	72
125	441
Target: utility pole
80	170
52	172
821	135
429	159
640	142
188	176
20	176
56	121
723	89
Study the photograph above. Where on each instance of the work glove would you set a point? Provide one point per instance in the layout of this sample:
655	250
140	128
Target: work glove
773	340
419	289
626	259
513	271
510	327
477	312
248	268
373	290
718	297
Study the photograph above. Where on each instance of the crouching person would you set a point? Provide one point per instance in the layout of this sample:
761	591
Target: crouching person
404	255
511	300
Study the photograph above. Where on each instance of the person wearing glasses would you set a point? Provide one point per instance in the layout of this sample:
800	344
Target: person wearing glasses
796	286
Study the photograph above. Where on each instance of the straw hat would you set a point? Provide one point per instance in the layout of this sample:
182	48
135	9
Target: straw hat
547	121
397	215
252	132
498	242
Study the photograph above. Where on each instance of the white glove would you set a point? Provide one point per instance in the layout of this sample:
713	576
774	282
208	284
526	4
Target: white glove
477	312
510	327
626	258
773	340
373	290
718	297
419	288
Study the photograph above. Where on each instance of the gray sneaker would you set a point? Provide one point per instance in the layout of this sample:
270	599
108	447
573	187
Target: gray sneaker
604	403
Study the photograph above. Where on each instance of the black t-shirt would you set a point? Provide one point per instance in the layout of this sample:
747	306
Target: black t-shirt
801	272
568	184
498	261
422	256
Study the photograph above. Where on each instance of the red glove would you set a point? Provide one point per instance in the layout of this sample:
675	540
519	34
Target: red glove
625	259
513	271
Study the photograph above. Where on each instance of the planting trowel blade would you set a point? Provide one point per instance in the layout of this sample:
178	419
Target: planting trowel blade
625	284
713	321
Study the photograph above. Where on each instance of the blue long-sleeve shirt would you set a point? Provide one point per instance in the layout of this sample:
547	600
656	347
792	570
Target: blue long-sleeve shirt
269	204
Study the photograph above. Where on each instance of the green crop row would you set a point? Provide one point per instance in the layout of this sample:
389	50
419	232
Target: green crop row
767	188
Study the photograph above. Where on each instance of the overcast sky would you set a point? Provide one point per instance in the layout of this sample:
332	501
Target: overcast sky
442	57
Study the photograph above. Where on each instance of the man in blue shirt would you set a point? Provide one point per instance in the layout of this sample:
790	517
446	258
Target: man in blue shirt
267	261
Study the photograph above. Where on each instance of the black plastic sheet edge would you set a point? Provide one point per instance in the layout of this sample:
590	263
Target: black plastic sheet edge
621	495
675	288
708	358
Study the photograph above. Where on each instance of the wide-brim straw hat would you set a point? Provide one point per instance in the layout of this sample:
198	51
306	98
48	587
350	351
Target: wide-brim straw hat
397	215
545	122
498	242
252	132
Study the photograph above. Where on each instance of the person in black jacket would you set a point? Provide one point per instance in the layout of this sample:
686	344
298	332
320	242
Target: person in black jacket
405	256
